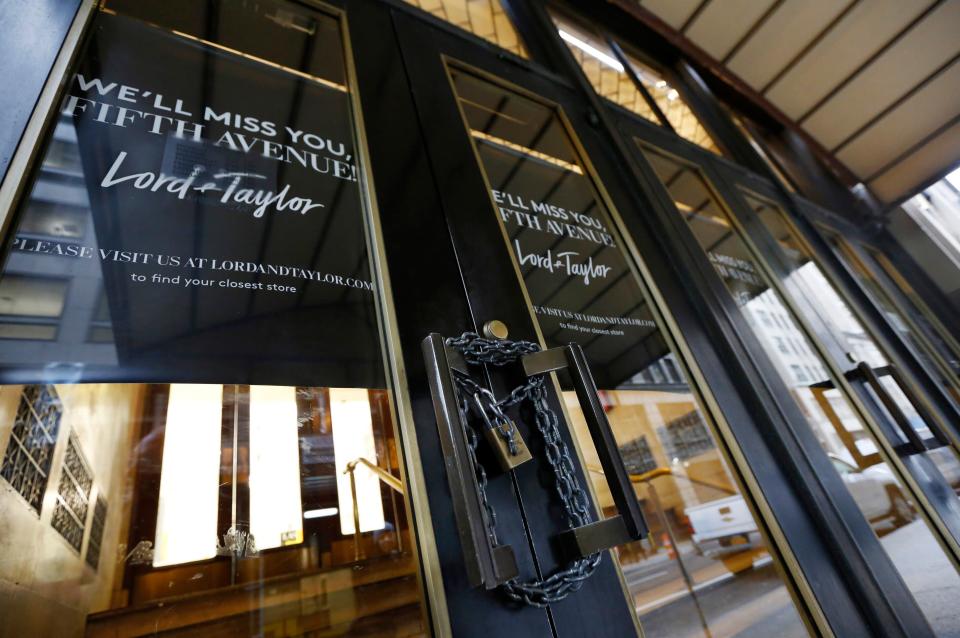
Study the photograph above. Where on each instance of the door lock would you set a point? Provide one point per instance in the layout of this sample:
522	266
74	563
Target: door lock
495	329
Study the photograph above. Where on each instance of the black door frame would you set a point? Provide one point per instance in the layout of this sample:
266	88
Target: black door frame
525	512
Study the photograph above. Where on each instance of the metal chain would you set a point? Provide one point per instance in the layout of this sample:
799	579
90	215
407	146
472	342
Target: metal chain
476	351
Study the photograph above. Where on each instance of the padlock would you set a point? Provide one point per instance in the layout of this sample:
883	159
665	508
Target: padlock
501	449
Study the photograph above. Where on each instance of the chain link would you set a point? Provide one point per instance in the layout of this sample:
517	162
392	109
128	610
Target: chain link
477	351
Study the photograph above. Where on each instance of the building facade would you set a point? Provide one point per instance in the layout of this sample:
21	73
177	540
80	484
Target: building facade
409	318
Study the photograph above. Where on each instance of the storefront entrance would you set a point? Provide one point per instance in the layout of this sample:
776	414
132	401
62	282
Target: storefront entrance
285	317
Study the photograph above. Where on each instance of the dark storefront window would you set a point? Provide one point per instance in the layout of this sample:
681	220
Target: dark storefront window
196	415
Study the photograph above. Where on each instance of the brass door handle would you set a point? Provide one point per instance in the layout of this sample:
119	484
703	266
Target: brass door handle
487	564
629	524
491	565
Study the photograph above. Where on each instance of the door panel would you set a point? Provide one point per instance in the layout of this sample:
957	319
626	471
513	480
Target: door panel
494	292
708	564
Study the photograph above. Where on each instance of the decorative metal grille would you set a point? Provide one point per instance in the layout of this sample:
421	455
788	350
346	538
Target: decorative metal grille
637	456
26	464
73	496
96	531
686	436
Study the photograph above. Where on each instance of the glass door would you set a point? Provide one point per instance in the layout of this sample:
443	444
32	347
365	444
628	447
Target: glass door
888	456
541	250
198	424
921	436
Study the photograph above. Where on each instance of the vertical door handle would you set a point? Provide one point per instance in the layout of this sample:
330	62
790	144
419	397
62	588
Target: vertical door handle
932	423
487	564
628	524
872	376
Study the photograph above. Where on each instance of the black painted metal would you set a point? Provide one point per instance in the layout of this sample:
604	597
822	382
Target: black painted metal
32	35
946	311
880	325
495	292
873	583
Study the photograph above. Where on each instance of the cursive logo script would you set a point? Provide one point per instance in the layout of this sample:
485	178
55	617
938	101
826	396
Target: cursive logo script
563	263
227	184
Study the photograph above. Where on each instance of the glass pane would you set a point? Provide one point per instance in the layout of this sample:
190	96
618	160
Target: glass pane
196	398
822	300
483	18
882	498
602	68
684	122
706	567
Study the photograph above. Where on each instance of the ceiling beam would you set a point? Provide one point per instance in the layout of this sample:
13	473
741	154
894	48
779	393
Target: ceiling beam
757	24
809	46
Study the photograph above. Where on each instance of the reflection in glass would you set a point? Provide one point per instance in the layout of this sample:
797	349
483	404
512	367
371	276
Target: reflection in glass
705	570
483	18
822	300
31	306
175	215
879	494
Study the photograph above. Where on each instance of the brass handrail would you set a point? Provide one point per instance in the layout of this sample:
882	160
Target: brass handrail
666	471
385	477
392	481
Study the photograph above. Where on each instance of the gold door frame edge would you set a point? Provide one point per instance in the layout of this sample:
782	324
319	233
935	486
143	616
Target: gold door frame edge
412	467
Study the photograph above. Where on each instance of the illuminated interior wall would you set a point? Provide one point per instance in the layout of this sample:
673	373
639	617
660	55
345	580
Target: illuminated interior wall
276	514
189	483
353	439
37	566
